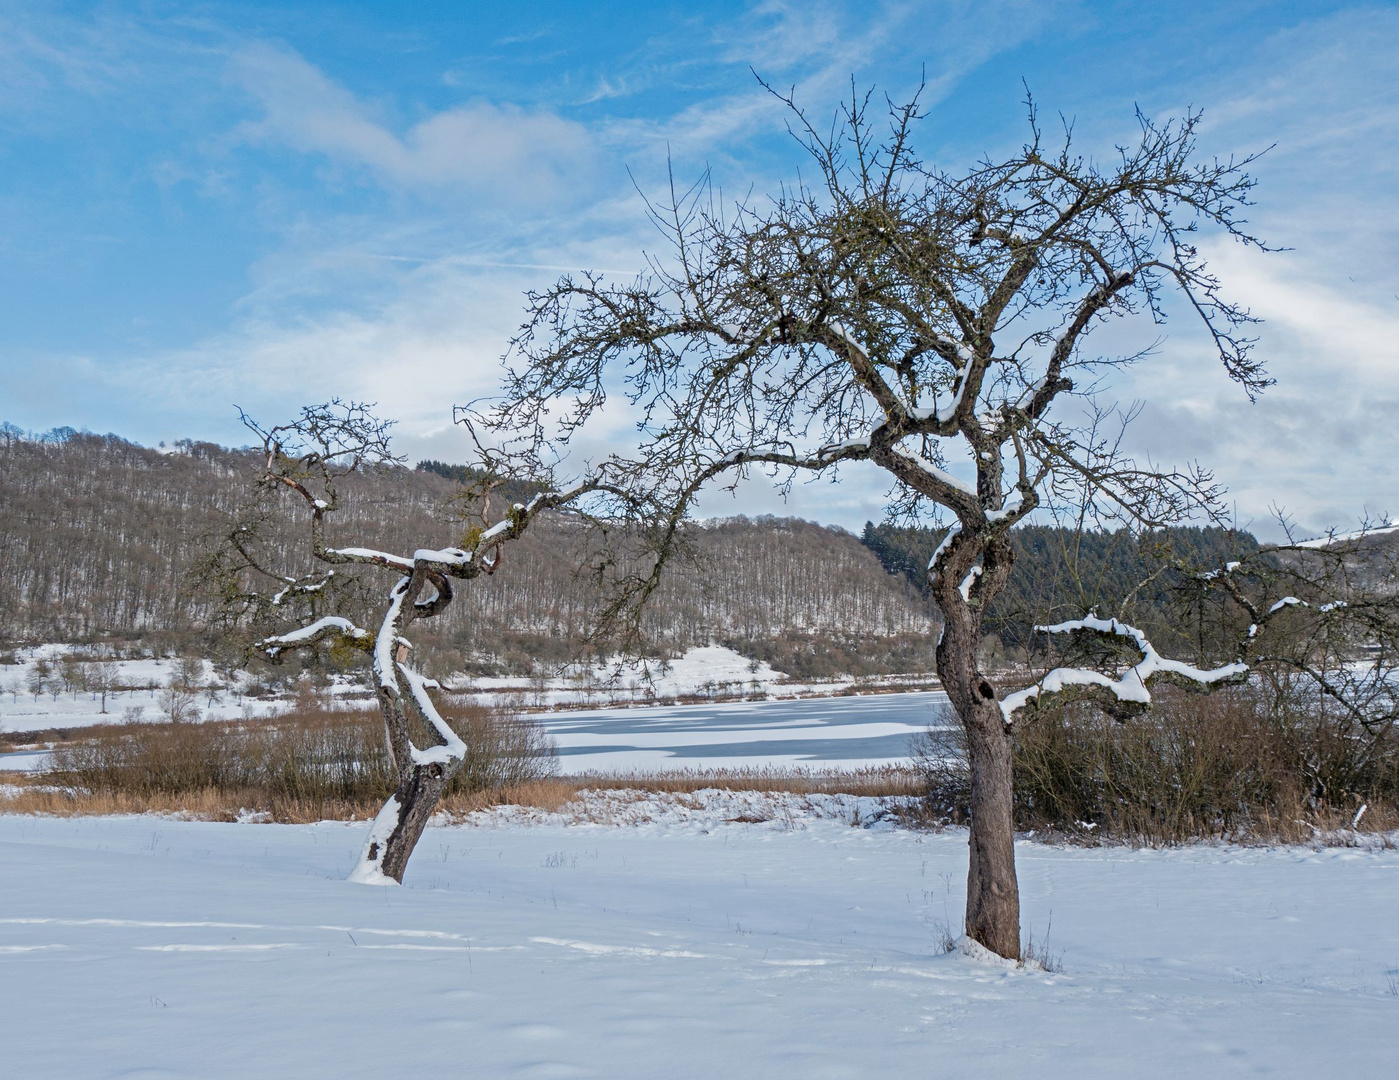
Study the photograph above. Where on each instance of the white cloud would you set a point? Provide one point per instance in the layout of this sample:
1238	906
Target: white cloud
412	305
511	152
1321	443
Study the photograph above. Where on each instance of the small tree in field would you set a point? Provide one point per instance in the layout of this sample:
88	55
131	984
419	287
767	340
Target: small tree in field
308	458
103	677
37	680
934	325
178	703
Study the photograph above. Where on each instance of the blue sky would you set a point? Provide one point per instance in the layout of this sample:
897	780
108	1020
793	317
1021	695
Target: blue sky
205	204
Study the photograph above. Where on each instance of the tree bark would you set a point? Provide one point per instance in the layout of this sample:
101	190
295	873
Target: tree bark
400	825
993	893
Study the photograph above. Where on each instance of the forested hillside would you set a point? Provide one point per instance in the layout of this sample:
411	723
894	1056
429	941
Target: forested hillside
101	535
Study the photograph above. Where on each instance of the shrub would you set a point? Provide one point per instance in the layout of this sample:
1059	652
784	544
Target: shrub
312	754
1248	761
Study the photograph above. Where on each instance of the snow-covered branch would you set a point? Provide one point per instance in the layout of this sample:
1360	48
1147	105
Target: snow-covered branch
452	749
943	548
1131	687
365	555
316	632
295	588
932	472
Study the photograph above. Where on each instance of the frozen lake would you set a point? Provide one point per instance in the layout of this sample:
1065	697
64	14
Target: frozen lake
815	733
835	732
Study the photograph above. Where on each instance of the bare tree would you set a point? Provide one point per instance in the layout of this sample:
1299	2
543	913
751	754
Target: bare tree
72	674
37	678
179	703
933	325
1325	612
306	458
103	677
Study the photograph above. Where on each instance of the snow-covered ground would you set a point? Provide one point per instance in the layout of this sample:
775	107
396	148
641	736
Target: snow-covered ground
709	672
141	682
706	671
692	946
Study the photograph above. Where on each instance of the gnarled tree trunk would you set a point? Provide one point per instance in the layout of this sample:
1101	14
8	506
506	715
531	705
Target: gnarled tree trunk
422	775
993	893
400	824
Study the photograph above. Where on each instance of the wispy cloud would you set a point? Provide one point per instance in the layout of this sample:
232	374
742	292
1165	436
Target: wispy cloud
479	147
1320	443
815	50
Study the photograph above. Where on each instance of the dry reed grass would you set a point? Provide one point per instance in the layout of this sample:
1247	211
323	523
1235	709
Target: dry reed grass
217	804
39	795
314	764
311	763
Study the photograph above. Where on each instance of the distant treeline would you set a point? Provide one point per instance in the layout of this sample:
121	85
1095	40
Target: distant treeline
1063	573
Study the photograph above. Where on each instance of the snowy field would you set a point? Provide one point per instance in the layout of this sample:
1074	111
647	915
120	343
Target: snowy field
138	697
692	946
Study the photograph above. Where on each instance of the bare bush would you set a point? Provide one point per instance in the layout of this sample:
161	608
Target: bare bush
501	750
311	756
1251	762
178	705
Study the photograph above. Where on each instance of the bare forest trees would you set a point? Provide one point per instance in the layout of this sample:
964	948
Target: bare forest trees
106	541
935	326
305	460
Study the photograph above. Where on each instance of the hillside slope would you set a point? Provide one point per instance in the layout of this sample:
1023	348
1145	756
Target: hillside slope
101	535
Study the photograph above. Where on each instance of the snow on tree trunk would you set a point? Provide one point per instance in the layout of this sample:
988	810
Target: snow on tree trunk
399	826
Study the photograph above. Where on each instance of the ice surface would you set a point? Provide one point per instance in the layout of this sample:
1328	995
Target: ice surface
696	946
844	732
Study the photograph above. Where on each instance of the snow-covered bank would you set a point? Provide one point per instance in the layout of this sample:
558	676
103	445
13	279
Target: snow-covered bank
797	947
703	675
707	673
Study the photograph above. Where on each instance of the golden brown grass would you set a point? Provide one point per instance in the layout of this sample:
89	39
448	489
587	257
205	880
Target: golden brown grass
39	795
